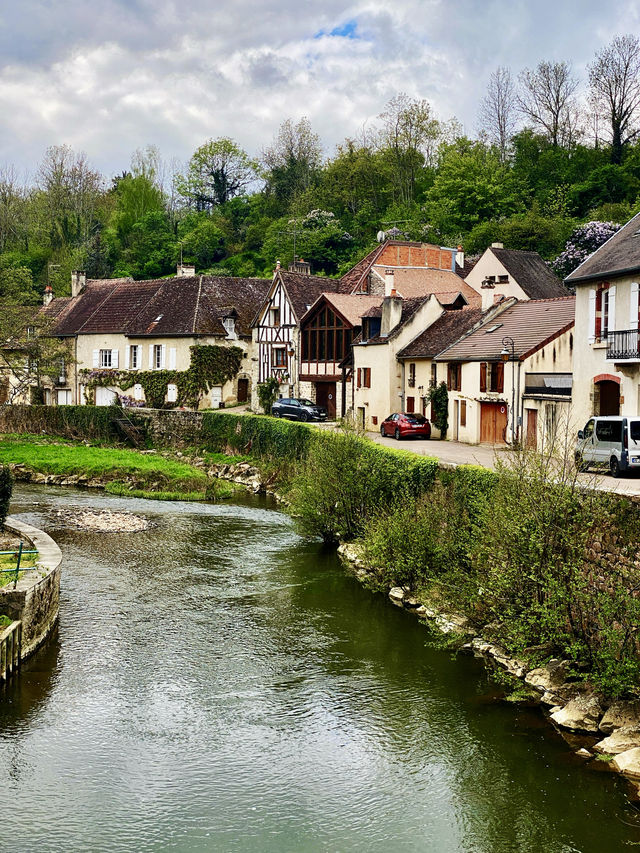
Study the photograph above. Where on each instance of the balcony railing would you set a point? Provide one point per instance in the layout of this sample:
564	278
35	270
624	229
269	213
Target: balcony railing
623	346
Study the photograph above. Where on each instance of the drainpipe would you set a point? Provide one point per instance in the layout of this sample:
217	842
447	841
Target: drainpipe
520	404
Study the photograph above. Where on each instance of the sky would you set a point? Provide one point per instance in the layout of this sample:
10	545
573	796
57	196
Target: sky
113	76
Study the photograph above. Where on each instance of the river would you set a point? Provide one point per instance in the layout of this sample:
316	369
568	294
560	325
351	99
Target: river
218	684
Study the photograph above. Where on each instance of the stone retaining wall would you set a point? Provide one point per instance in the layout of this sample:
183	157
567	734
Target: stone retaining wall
35	601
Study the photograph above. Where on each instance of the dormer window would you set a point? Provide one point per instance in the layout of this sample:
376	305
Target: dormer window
274	317
229	324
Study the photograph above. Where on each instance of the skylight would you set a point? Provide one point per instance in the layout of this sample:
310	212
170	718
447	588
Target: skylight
493	328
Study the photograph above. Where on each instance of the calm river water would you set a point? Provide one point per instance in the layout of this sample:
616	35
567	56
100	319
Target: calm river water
217	684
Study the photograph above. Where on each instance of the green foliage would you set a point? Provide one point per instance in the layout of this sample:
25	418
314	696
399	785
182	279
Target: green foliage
346	479
217	171
6	487
439	397
268	393
86	422
209	365
262	438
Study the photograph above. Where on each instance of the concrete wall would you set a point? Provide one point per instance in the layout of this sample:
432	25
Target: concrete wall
36	599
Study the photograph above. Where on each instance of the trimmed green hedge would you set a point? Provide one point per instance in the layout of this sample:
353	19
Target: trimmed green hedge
259	436
90	422
6	487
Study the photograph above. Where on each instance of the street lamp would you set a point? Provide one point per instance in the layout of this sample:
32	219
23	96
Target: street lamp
509	352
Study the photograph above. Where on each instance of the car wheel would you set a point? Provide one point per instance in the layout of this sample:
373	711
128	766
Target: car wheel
581	465
304	416
382	432
614	467
397	434
276	414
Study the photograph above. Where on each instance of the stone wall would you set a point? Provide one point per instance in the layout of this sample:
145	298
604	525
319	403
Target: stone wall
36	599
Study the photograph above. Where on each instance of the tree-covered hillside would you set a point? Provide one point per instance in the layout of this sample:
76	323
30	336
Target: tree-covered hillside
549	155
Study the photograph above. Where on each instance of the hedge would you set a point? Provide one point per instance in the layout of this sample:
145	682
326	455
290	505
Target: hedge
6	487
259	436
91	422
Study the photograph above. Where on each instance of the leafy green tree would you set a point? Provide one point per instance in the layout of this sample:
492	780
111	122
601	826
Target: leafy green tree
17	286
217	171
202	240
152	248
292	162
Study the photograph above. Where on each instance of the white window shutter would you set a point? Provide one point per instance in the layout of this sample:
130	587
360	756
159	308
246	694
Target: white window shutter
592	316
126	357
163	357
172	358
114	358
633	306
151	357
612	310
139	357
96	358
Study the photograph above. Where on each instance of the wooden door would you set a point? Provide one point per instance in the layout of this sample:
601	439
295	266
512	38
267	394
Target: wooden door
532	428
493	423
609	397
243	390
326	396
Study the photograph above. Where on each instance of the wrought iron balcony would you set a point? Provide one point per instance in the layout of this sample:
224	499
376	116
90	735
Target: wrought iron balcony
623	346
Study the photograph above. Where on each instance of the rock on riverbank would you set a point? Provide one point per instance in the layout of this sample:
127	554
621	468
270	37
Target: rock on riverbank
104	521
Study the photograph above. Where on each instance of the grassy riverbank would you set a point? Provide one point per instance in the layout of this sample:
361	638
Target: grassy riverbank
123	471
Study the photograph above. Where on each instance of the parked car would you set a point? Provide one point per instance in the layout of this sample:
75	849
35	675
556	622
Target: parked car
609	442
406	425
299	409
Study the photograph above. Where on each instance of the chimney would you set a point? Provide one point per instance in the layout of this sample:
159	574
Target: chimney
391	313
78	282
48	295
497	245
301	266
184	270
389	283
460	257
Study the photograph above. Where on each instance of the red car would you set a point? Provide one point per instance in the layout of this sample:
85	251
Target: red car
405	425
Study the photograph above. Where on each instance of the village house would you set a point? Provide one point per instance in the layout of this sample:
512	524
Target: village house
607	347
502	273
511	373
413	301
119	328
276	327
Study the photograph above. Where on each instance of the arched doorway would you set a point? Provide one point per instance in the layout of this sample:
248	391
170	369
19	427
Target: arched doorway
607	395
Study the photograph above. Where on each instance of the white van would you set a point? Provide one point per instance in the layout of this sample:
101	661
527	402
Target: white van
609	442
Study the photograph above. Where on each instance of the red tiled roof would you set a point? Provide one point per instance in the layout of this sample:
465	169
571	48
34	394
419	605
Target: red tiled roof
417	281
450	326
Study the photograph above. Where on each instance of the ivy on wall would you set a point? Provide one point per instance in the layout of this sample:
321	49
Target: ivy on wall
210	365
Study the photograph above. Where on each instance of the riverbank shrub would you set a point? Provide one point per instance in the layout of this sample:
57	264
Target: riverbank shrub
346	479
93	423
6	488
257	436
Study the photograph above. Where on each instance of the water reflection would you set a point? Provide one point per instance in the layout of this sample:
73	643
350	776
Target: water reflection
220	685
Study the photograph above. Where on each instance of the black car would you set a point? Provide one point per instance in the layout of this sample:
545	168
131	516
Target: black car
299	409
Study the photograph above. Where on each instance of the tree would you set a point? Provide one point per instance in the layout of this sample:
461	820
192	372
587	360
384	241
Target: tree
292	161
410	135
217	171
498	110
30	358
547	98
584	240
614	78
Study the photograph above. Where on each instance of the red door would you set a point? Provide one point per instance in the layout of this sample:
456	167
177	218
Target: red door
326	396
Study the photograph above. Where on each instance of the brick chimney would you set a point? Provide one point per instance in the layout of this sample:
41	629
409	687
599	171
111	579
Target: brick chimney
48	295
78	282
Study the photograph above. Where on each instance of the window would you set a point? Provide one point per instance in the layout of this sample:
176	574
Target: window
454	377
279	357
229	324
364	377
550	421
157	356
603	311
325	338
105	358
609	431
134	360
588	430
434	375
274	317
412	376
463	413
492	376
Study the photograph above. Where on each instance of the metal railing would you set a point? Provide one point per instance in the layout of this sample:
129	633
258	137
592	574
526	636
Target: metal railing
19	554
623	345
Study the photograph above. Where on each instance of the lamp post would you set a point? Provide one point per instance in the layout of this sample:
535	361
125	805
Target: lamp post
509	352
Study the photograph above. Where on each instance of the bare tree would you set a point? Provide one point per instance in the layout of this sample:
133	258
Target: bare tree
498	109
547	98
614	79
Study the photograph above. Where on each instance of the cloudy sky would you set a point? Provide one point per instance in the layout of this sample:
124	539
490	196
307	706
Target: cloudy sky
111	76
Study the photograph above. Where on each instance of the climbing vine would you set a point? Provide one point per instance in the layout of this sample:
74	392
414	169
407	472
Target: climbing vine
439	397
210	365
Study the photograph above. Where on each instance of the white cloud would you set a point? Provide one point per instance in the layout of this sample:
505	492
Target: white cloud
108	78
